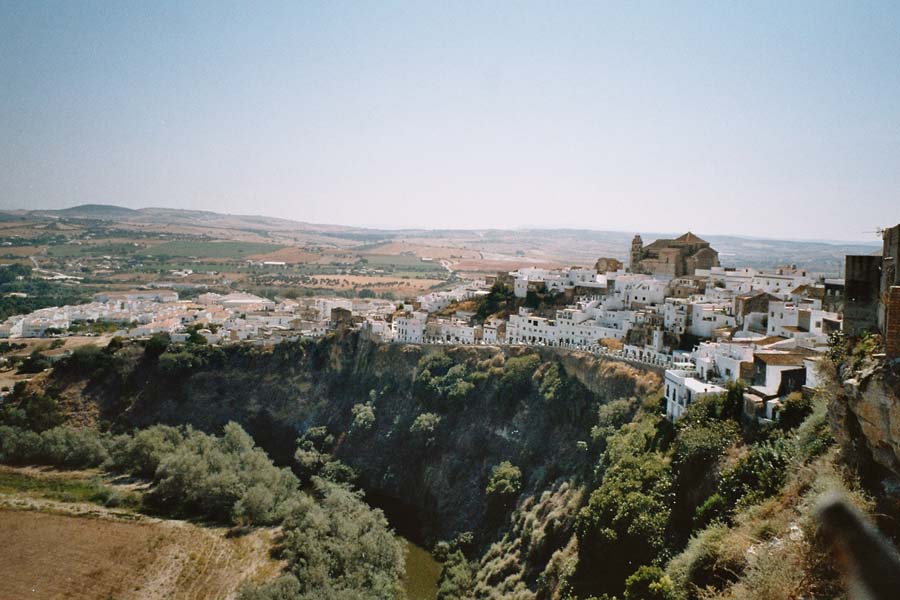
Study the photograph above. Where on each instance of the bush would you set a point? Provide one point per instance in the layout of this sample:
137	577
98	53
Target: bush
141	453
814	435
425	424
156	345
34	363
436	364
797	407
649	583
19	446
713	558
515	382
457	579
60	446
758	475
35	412
505	481
625	520
363	418
339	544
177	364
74	448
223	479
87	359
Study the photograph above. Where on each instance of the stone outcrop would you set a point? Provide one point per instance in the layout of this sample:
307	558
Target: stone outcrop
865	416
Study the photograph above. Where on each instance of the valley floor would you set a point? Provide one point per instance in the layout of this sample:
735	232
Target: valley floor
56	549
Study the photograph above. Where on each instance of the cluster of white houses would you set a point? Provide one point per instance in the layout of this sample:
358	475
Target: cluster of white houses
766	327
225	318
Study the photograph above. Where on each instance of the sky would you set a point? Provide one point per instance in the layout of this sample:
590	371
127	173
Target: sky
771	119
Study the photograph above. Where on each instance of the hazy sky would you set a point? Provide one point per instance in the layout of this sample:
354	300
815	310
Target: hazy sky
771	119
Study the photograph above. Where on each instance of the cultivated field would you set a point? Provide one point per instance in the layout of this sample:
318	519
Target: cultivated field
54	550
395	285
214	250
46	555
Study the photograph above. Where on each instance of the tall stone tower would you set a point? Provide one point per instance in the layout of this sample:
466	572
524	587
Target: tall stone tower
637	252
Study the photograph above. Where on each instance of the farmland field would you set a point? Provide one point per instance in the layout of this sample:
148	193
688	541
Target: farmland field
50	556
74	250
57	546
212	249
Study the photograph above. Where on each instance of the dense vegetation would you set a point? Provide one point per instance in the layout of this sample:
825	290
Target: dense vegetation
531	475
334	544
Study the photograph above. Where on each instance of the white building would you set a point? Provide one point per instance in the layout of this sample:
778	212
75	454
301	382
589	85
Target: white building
556	280
799	321
683	388
707	317
676	315
409	327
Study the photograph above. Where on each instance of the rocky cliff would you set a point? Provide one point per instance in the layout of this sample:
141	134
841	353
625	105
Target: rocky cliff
864	411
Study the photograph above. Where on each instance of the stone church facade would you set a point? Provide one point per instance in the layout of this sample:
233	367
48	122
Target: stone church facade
673	258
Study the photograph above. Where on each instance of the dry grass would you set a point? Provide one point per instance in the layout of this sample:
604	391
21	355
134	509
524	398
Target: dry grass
426	251
772	551
396	285
54	549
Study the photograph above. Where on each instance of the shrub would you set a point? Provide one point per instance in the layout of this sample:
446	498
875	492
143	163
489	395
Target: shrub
156	345
712	508
797	407
814	435
515	382
457	579
176	364
437	364
74	448
363	418
220	479
649	583
339	544
34	363
19	446
425	425
36	412
60	446
87	359
141	453
713	558
624	522
505	481
285	587
757	475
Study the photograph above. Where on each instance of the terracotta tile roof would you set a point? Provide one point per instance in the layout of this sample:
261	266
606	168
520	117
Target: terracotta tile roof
689	238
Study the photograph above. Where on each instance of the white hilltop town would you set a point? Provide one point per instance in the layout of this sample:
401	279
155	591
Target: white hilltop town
673	308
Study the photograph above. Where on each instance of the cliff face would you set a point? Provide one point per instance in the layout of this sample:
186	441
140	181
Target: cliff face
441	417
865	418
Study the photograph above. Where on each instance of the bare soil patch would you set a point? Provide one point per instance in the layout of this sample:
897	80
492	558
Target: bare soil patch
50	556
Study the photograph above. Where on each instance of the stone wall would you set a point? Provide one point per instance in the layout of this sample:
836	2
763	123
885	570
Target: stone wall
892	322
862	286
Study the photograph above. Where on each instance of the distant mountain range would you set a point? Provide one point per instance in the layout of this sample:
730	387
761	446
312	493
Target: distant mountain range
563	245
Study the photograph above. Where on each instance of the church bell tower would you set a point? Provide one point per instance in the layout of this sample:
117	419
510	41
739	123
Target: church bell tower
637	252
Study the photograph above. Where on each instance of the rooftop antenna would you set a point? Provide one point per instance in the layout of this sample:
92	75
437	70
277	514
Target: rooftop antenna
879	231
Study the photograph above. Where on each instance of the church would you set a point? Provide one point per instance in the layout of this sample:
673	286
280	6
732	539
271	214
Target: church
673	258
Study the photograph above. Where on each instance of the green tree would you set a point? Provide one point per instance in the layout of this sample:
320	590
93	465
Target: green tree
457	580
649	583
505	482
363	418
